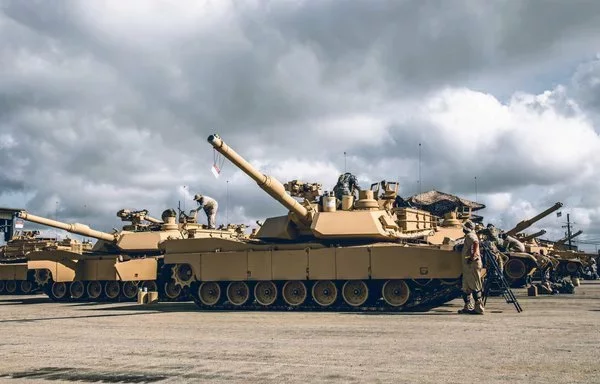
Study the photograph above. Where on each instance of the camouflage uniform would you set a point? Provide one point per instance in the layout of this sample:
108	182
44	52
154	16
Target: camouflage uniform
210	207
493	236
346	185
472	285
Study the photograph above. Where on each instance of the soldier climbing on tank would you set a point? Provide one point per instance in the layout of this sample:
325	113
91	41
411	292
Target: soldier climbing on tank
512	244
347	184
472	285
210	206
491	234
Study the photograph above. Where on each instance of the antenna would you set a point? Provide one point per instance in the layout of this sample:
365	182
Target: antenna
420	189
476	191
184	196
345	168
227	203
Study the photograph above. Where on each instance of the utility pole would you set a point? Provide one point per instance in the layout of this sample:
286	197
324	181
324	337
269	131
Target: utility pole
568	226
345	167
476	191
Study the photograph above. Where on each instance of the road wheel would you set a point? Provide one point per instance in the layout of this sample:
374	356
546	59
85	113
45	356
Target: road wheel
355	292
2	286
130	290
238	293
112	289
209	293
26	287
324	293
77	290
11	287
58	291
172	290
395	292
265	292
94	289
294	292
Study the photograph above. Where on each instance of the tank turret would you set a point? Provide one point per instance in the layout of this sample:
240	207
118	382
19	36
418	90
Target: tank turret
528	223
366	219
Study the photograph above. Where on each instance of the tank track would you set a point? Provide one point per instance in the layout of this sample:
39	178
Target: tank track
422	299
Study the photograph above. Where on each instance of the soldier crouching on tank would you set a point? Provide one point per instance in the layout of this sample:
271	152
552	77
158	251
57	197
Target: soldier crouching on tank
512	244
472	285
347	184
210	206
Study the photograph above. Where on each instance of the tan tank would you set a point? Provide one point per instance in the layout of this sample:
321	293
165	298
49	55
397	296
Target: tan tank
118	263
527	238
521	266
15	277
318	256
523	225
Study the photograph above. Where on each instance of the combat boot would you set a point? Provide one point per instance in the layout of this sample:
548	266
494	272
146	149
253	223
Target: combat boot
468	308
479	309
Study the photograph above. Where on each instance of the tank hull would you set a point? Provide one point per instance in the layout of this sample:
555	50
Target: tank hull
66	276
15	279
379	276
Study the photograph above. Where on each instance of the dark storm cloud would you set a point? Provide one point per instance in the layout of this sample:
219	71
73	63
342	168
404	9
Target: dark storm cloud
106	105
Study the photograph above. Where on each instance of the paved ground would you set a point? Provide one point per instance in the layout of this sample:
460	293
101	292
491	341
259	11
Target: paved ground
556	340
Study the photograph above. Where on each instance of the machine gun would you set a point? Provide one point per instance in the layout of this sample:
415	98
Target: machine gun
495	281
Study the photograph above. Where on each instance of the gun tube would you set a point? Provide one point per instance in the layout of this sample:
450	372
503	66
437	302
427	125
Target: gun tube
533	235
80	229
269	184
528	223
565	239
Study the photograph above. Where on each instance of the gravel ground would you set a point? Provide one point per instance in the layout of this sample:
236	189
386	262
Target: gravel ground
555	340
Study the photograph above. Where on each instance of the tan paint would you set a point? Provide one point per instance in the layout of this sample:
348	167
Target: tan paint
289	264
13	271
260	265
381	261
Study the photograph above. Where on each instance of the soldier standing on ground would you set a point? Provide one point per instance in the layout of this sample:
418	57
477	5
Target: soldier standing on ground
210	206
472	285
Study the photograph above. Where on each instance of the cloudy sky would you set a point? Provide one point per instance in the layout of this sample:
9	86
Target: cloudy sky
107	104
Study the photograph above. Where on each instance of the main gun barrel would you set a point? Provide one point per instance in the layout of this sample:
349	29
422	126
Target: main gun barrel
528	223
567	238
80	229
532	236
269	184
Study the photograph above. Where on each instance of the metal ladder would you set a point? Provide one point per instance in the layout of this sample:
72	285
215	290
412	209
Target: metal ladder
495	281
